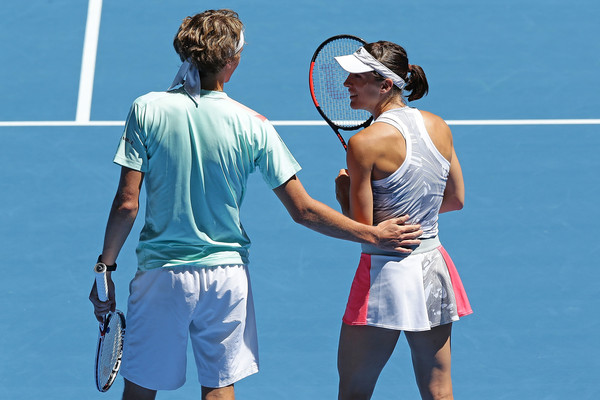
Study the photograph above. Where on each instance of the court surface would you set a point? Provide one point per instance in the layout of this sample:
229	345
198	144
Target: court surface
517	80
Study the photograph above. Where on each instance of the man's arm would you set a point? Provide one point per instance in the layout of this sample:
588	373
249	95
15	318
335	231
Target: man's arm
120	221
321	218
122	214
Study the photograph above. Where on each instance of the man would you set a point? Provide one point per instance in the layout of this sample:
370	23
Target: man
194	147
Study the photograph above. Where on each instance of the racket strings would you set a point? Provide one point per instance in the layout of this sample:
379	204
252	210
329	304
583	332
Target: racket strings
329	89
110	354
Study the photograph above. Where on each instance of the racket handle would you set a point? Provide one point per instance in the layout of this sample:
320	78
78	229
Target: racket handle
101	284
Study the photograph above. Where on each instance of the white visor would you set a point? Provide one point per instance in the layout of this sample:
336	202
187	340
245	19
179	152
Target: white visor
352	64
361	61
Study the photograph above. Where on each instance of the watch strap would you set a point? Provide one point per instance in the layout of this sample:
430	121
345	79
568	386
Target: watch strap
108	267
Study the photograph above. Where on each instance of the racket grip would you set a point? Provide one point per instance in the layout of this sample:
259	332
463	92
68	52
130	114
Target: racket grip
101	284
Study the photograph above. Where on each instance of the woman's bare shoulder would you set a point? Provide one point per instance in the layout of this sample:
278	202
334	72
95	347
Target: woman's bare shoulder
439	132
434	120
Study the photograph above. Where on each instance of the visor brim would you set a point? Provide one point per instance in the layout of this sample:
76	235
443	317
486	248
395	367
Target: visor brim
352	64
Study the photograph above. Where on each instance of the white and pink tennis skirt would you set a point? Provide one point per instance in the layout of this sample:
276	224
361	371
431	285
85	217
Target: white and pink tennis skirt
411	293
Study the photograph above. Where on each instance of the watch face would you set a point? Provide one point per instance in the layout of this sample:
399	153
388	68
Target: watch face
100	268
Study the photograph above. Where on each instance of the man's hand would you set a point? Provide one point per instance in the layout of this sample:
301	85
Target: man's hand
394	235
101	308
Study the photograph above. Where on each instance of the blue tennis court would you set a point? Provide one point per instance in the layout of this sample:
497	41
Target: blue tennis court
516	80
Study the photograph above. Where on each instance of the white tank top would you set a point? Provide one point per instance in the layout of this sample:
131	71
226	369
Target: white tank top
417	186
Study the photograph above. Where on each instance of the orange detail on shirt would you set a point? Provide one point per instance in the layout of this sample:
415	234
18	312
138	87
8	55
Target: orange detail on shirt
251	111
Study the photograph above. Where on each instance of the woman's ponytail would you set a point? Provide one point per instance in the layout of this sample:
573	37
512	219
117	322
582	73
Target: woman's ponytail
417	83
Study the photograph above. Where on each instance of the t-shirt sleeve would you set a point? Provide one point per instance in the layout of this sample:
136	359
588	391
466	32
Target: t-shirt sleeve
275	161
132	152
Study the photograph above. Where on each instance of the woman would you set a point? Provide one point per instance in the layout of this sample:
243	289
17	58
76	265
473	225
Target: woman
404	163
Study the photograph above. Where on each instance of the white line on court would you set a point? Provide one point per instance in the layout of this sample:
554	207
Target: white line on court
88	62
475	122
480	122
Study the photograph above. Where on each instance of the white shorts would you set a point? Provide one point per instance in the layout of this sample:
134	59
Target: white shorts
213	306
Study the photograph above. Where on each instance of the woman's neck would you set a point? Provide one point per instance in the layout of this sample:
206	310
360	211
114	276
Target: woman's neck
386	106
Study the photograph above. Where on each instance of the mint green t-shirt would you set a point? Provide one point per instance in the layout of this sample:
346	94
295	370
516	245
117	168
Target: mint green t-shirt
196	159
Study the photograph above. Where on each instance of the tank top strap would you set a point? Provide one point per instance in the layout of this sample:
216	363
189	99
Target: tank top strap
392	118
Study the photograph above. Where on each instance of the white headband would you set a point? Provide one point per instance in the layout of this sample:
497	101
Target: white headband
240	43
189	76
361	61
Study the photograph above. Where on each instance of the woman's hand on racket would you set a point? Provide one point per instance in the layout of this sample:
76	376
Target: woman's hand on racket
342	191
101	308
394	235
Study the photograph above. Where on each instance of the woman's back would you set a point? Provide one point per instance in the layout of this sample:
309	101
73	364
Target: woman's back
416	185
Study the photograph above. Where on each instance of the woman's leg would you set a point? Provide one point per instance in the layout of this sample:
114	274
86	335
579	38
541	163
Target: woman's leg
363	352
431	361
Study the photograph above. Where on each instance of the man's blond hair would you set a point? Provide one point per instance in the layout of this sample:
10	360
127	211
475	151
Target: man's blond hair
209	39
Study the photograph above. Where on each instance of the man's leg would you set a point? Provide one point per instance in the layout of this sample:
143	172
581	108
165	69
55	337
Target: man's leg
135	392
224	393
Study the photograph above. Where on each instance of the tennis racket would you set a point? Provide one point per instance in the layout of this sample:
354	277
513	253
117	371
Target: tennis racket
110	337
326	81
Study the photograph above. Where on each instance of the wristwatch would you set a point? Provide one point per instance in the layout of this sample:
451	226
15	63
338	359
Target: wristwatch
108	267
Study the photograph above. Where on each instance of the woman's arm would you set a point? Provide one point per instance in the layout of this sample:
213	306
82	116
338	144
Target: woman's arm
342	191
454	195
441	135
360	167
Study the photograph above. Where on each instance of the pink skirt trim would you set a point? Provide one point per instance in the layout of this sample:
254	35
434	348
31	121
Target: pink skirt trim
358	301
413	294
463	307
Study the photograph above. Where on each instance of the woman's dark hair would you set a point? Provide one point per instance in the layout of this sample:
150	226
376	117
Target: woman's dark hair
395	58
